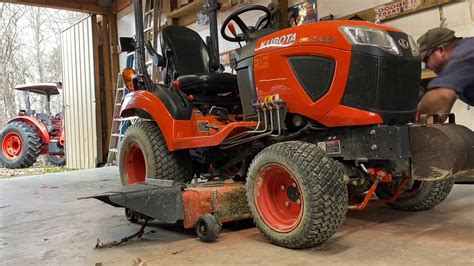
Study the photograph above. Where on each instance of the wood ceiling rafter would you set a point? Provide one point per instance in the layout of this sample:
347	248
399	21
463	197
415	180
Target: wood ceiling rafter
86	6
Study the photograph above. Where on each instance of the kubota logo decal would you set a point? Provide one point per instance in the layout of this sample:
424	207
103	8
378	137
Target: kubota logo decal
282	41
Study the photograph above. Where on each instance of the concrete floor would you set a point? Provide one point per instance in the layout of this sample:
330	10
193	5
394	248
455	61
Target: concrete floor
42	222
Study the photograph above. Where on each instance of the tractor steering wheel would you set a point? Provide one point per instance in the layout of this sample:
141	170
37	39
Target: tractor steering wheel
261	23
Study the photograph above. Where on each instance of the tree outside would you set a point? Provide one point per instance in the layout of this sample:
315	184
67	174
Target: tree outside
30	52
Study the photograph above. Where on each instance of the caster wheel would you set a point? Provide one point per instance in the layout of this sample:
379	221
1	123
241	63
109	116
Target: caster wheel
207	228
131	216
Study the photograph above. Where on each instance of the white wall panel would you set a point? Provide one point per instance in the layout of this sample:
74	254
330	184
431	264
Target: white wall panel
79	88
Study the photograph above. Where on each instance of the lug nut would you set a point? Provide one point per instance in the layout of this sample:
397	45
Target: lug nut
298	201
282	187
373	147
287	203
294	184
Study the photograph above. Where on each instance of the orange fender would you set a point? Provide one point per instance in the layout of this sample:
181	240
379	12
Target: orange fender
36	124
150	103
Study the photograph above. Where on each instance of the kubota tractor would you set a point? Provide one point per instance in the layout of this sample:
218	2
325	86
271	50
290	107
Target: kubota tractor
317	119
30	134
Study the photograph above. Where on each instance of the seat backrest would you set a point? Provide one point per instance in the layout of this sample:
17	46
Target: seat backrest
189	53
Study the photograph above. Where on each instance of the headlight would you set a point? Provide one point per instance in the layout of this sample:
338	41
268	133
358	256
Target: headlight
369	36
413	46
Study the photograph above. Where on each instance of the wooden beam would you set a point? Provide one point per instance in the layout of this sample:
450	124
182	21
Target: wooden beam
121	5
114	49
108	84
396	9
95	44
86	6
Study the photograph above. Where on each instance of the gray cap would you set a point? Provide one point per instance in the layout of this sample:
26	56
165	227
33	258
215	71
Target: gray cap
434	38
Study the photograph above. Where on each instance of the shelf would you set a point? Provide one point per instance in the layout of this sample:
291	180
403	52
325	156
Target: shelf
187	9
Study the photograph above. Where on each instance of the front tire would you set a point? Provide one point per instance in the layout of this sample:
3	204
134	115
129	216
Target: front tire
420	195
144	154
21	145
57	160
296	194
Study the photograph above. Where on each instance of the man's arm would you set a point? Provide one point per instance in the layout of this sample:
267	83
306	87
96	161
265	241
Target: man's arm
436	101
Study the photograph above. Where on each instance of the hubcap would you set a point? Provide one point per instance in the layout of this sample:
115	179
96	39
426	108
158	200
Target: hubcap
134	164
12	145
278	198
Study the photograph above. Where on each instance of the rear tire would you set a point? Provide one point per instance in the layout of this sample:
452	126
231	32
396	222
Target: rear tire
296	194
423	195
21	145
144	154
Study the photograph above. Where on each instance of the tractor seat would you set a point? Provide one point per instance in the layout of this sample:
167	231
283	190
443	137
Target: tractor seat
211	83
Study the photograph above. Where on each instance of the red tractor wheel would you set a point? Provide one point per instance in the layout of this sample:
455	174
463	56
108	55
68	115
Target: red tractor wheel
20	145
279	200
144	154
296	194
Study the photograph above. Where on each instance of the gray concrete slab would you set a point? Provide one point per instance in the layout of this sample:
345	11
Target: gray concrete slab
42	222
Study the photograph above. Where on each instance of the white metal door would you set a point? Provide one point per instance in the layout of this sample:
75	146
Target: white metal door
79	85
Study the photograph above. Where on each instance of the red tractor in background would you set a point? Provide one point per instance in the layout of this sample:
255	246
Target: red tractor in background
30	134
317	120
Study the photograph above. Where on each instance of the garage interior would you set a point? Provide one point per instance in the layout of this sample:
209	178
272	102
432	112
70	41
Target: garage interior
43	222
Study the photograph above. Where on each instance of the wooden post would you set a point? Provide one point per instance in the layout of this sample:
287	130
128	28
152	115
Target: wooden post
283	5
107	75
95	34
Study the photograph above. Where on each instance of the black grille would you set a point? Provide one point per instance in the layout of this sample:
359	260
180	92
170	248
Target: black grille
315	74
385	85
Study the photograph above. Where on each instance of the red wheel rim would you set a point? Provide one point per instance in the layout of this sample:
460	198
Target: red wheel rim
12	145
134	164
278	198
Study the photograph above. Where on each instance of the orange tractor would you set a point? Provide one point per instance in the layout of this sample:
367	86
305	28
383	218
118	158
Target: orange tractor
30	134
317	120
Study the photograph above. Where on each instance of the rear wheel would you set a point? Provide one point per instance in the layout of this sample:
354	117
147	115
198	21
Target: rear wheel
21	145
57	160
144	154
296	194
419	195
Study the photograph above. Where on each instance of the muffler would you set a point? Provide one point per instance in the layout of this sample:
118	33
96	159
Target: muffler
441	151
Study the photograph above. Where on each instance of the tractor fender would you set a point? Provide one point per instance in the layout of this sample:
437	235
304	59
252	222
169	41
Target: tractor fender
36	124
147	105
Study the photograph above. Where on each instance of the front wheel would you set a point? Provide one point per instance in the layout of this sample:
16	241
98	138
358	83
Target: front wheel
57	160
296	194
419	195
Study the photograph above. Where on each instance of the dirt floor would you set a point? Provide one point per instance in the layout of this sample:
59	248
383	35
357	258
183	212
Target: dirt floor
42	222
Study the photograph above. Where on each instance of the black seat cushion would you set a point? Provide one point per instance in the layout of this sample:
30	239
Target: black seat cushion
189	53
213	83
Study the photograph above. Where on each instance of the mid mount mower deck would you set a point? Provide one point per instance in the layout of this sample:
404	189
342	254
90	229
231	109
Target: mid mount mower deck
318	119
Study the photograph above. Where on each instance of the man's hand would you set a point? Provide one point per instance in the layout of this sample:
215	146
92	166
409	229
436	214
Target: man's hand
436	101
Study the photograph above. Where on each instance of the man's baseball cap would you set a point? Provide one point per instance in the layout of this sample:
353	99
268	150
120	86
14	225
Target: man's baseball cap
433	38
